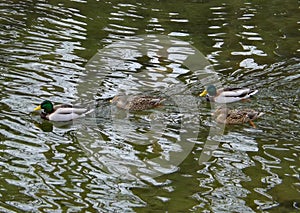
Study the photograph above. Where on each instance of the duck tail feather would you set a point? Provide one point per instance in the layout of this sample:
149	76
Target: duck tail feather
88	112
252	92
260	114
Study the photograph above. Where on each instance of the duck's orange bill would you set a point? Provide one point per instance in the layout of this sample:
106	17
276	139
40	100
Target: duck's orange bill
252	124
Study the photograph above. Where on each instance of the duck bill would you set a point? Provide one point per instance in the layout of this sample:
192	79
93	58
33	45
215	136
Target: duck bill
203	93
252	124
37	108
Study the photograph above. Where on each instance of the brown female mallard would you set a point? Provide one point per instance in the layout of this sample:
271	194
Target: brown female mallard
136	103
236	116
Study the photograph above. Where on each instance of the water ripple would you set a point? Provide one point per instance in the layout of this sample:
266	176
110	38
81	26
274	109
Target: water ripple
44	166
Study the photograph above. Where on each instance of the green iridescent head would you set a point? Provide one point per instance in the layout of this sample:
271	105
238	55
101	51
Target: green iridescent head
211	90
47	106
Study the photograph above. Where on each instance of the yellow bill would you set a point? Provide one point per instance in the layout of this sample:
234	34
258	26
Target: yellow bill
37	108
203	93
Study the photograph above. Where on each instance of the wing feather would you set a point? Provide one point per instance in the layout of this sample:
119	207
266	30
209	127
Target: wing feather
236	93
63	117
70	111
225	99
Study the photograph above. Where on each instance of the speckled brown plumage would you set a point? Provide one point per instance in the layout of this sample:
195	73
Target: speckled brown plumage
136	103
236	116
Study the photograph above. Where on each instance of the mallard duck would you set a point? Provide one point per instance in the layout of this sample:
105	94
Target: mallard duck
63	112
237	116
137	103
227	95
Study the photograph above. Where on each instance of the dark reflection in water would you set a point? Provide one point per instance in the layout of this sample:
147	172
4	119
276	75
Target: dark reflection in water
44	47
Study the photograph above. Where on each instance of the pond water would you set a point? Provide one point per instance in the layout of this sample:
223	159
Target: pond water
173	158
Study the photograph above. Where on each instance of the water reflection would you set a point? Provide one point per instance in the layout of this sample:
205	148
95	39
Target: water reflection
169	128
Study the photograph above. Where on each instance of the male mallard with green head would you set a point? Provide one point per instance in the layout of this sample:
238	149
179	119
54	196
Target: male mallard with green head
63	112
236	116
227	95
